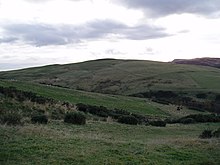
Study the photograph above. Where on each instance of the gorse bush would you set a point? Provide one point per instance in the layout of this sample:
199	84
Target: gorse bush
11	118
217	98
206	134
141	118
82	107
171	121
128	119
187	121
170	97
75	118
201	95
95	110
56	115
20	95
195	118
102	111
216	133
158	123
202	118
41	119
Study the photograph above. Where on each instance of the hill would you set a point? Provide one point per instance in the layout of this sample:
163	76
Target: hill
196	87
124	77
212	62
100	140
50	92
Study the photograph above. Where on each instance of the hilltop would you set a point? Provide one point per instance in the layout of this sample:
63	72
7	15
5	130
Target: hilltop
124	77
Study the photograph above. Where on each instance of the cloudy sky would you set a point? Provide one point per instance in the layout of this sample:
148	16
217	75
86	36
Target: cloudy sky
40	32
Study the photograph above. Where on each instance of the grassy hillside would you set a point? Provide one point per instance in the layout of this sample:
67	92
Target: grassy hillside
132	104
74	96
100	141
122	76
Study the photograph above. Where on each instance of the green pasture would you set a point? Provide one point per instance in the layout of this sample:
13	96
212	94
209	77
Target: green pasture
107	143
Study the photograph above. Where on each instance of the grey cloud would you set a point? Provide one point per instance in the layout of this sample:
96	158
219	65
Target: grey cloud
38	35
143	32
7	39
140	32
42	34
157	8
184	31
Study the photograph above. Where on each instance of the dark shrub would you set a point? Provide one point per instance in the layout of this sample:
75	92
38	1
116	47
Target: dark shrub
186	99
11	118
82	107
213	118
102	111
216	107
102	114
202	118
121	111
114	115
138	95
163	94
39	99
161	101
41	119
141	119
201	95
127	119
217	98
216	133
195	107
171	121
158	123
75	118
206	134
23	95
187	121
94	110
57	115
98	111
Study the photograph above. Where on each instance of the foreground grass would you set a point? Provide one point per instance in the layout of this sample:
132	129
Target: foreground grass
107	143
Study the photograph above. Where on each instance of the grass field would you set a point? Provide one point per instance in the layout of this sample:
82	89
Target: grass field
107	143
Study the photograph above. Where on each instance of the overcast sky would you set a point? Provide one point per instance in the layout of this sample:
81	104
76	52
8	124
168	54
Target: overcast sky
41	32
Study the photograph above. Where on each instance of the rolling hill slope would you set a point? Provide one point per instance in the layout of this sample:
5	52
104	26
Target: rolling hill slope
103	139
131	104
124	77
